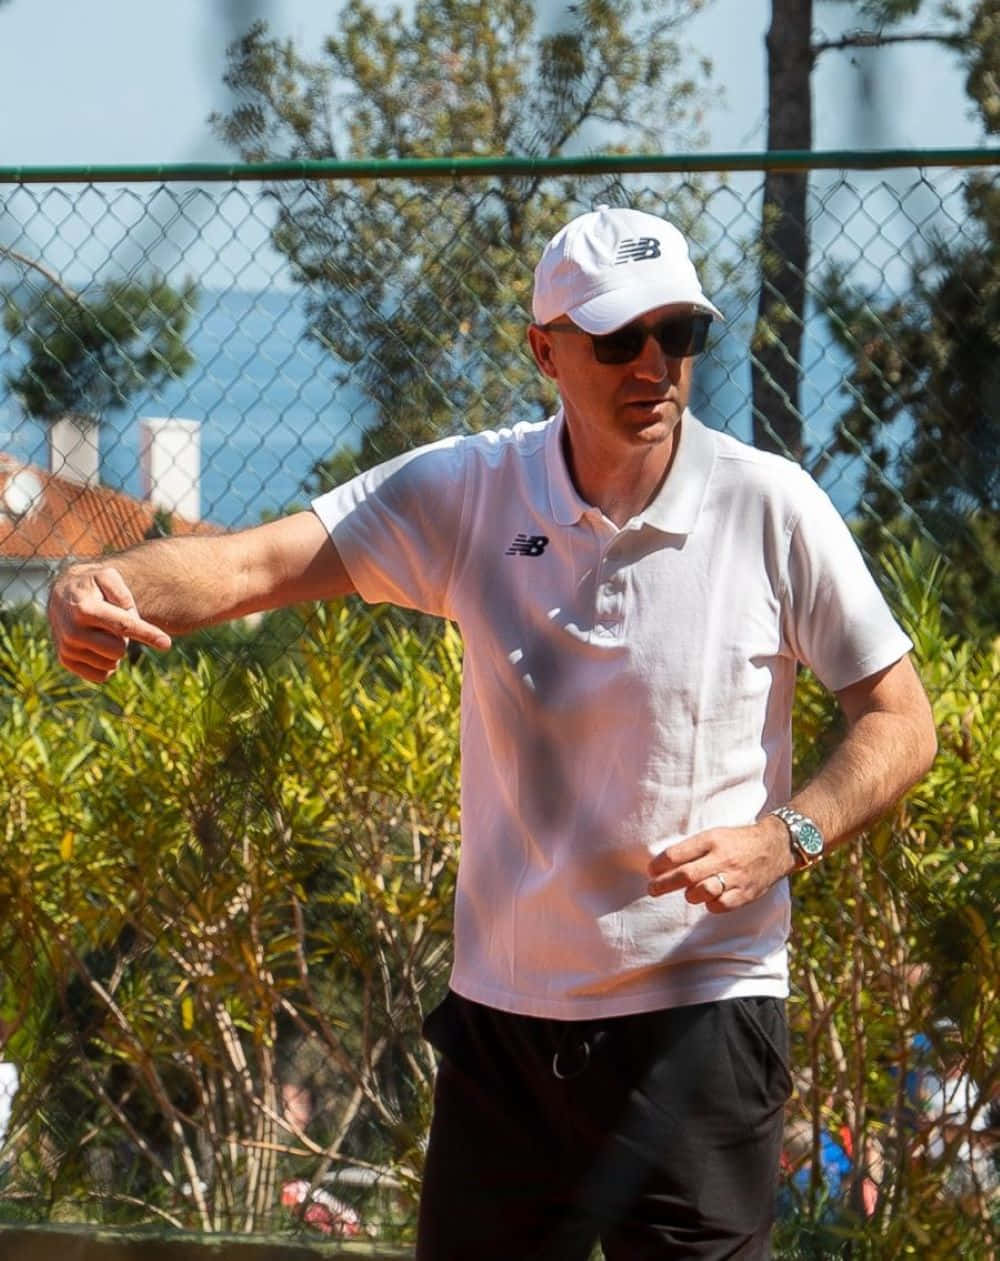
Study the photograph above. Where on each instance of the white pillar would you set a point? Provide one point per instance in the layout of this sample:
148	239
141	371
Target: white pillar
9	1082
170	464
74	449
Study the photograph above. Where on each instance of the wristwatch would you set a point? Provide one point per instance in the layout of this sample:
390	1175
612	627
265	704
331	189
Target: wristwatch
805	836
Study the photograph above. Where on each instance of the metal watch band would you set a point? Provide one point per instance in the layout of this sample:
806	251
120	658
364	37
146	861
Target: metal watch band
804	835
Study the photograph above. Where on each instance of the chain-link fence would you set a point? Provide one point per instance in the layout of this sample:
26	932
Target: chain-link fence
226	876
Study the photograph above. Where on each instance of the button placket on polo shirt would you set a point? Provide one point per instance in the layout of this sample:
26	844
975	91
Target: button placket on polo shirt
609	601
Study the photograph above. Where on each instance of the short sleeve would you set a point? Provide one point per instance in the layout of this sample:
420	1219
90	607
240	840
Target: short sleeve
397	527
837	621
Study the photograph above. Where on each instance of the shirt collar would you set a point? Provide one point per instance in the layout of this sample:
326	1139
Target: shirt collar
676	507
564	499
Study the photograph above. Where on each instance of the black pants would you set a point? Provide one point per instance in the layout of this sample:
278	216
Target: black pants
657	1134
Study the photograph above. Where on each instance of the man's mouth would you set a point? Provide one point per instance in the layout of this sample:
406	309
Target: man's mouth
647	403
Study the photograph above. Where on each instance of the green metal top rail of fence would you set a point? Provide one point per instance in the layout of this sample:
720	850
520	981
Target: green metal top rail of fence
511	165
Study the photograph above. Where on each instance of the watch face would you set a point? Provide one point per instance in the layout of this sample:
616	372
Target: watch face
810	839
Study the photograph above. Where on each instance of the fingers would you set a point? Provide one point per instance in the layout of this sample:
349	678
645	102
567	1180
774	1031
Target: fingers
91	671
93	617
715	893
682	866
113	587
723	868
131	626
92	653
701	883
116	594
697	868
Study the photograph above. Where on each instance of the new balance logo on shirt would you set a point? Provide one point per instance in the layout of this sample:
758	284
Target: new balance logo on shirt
636	249
527	545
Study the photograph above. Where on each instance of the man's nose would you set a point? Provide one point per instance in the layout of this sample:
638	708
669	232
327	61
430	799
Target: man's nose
653	365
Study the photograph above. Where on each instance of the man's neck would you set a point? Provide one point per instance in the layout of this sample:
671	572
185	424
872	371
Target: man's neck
620	484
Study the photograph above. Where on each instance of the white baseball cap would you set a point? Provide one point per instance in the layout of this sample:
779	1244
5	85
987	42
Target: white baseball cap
611	265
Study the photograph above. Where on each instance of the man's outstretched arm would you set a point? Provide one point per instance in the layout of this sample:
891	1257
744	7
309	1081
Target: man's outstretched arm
174	585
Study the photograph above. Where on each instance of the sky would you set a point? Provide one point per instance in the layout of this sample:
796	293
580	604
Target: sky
121	82
132	81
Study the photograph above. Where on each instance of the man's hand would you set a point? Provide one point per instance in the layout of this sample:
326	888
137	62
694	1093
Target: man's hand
889	744
93	617
748	859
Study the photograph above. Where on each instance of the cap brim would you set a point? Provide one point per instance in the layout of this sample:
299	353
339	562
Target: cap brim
618	307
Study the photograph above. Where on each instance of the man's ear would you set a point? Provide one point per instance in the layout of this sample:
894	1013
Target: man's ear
541	348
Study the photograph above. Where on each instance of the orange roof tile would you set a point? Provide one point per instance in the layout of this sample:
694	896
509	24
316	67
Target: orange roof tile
66	519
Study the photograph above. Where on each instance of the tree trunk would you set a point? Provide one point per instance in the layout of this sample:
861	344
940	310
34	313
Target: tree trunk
776	363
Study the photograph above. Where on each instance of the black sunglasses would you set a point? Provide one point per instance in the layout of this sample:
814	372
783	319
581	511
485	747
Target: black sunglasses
679	337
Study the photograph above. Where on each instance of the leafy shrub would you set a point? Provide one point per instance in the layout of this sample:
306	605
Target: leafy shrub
225	892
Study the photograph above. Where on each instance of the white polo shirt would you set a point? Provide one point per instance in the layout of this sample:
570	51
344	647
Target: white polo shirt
623	689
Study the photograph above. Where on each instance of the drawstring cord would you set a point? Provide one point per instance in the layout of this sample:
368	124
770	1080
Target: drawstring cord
572	1055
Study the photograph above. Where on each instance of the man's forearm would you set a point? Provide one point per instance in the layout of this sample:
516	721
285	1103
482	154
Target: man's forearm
169	586
881	756
180	584
889	745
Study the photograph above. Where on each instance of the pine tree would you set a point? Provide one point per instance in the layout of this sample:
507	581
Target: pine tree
409	284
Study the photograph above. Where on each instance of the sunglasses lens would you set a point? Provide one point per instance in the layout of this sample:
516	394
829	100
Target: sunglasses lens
621	346
678	338
681	338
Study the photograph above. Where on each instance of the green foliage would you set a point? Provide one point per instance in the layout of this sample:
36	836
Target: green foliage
930	358
412	293
218	883
983	59
223	880
894	936
89	353
927	362
886	12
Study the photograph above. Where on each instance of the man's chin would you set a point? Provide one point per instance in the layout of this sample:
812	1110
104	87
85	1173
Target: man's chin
654	418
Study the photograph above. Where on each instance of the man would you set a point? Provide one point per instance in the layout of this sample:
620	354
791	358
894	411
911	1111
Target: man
635	593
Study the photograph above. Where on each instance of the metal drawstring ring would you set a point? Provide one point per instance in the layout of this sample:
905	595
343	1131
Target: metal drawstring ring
584	1048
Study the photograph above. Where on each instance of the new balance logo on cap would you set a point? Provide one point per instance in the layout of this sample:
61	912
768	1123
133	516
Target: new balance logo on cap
636	249
527	545
585	271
